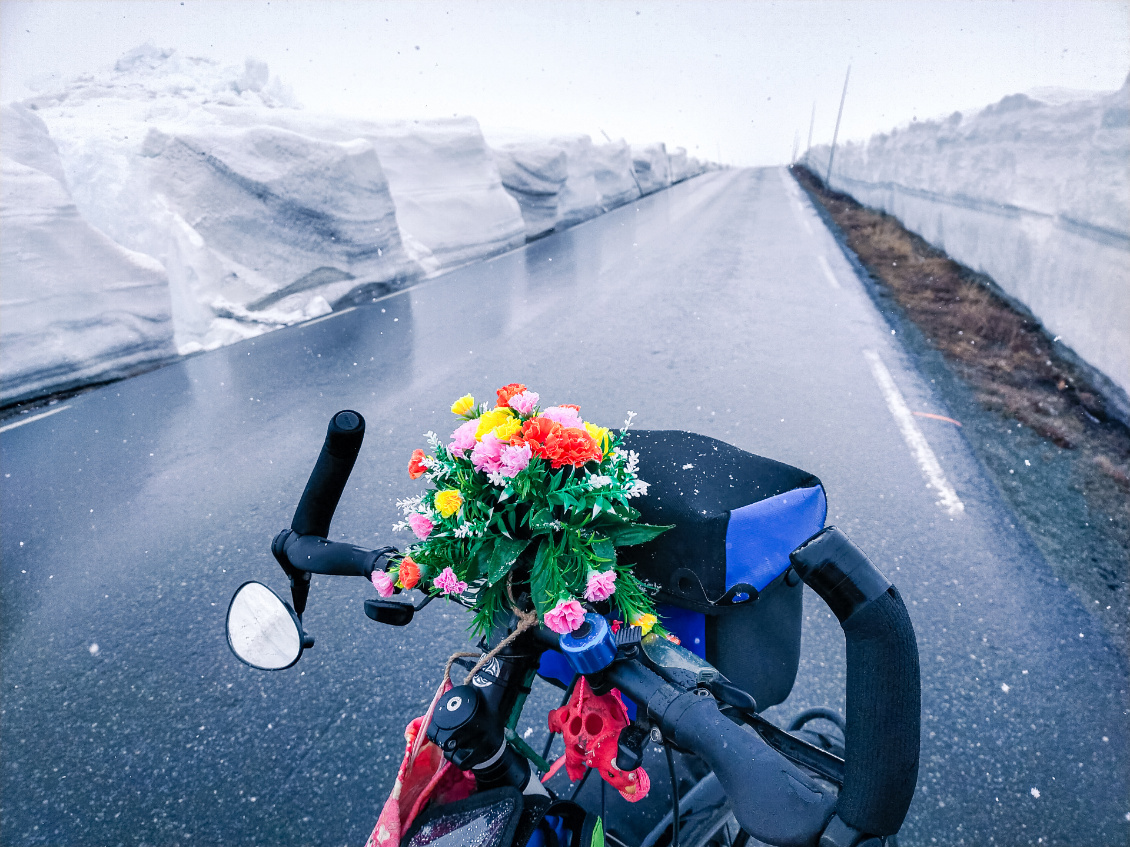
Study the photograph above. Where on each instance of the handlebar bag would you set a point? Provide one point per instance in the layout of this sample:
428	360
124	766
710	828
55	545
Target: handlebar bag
721	571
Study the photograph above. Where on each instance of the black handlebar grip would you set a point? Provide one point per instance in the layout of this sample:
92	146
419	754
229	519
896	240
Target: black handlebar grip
323	490
884	690
773	800
313	554
771	797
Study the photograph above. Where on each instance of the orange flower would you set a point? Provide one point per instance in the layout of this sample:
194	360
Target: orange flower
508	391
409	572
573	447
557	444
416	467
538	433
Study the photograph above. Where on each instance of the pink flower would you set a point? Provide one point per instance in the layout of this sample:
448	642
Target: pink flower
487	455
463	439
421	525
566	616
515	460
564	415
601	585
524	403
383	583
449	583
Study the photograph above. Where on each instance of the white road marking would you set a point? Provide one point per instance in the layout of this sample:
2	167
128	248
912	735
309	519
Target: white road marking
795	203
915	440
327	316
831	277
38	417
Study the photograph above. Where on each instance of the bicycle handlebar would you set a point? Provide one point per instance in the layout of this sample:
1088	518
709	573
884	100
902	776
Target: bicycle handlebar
884	692
773	799
323	490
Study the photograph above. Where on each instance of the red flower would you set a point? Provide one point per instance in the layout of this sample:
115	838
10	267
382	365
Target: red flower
508	391
416	466
573	447
557	444
538	433
409	572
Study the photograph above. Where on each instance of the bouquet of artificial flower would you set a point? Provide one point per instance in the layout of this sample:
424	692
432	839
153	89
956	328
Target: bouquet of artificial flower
525	495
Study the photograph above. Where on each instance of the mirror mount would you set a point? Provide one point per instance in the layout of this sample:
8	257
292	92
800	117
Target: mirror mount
299	582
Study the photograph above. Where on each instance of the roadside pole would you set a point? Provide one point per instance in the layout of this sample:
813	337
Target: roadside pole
836	133
811	124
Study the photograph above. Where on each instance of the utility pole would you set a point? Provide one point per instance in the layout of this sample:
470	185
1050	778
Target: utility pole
836	133
811	124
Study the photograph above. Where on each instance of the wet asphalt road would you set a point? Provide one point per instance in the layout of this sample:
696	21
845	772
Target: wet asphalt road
130	517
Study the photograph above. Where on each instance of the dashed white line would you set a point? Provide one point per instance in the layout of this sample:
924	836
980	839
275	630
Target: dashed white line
915	440
38	417
831	277
794	201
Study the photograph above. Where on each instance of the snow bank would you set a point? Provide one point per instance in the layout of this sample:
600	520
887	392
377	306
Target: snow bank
652	167
77	307
1034	194
614	175
579	199
535	174
173	203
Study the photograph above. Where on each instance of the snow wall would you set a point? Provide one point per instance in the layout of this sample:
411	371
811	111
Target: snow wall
172	204
1033	193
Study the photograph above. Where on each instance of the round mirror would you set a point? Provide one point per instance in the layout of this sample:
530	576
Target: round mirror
263	630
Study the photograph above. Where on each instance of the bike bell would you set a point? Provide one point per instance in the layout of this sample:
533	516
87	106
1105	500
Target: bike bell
591	647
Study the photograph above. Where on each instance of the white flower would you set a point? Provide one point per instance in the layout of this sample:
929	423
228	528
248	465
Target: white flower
498	479
464	530
433	439
628	422
638	489
599	481
400	526
409	504
633	461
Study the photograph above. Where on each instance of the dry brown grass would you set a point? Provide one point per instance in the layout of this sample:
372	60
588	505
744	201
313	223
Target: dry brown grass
1001	353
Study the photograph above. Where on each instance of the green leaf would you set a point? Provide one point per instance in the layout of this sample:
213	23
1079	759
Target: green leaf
506	551
605	550
629	534
545	579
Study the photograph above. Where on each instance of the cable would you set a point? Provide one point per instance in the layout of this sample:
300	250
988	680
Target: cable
674	795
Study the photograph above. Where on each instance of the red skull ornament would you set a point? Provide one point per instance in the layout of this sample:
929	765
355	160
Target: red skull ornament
590	725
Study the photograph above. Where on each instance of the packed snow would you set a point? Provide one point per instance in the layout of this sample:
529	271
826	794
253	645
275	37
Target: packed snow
78	307
1033	191
172	204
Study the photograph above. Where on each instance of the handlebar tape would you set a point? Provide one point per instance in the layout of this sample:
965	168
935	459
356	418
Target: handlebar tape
884	690
772	799
323	490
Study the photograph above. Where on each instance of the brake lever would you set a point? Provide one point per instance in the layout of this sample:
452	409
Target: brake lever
394	612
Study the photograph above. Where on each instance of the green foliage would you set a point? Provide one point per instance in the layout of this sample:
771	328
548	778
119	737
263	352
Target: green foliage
544	530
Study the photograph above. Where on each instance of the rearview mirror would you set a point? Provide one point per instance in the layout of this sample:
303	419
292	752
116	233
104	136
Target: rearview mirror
263	631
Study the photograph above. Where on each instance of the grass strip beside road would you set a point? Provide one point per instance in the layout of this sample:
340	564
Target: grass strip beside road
1030	411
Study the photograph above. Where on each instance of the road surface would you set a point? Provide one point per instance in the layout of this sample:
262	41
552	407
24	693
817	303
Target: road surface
131	514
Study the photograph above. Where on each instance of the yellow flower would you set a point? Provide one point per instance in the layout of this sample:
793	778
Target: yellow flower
463	405
645	622
489	420
507	429
599	435
448	502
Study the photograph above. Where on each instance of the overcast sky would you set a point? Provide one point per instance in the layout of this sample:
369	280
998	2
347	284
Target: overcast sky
734	78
